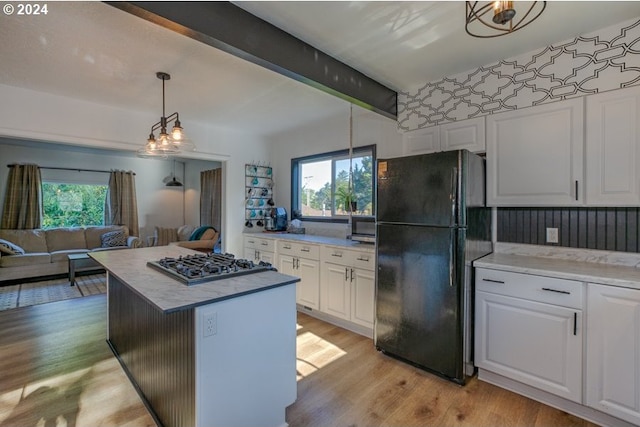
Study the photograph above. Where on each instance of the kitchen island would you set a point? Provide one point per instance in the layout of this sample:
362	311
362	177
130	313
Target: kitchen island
219	353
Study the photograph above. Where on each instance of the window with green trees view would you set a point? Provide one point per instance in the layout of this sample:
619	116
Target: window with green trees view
72	205
321	184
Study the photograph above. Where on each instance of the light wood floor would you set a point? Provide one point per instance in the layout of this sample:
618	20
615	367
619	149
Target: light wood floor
56	370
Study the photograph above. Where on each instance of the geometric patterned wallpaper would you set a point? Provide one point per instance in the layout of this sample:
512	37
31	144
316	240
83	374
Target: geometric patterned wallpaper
606	60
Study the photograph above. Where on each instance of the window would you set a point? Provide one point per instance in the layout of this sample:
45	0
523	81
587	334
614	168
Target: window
320	184
72	205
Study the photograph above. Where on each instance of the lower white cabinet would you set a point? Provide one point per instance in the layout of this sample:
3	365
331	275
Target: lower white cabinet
302	260
534	340
613	351
257	249
347	285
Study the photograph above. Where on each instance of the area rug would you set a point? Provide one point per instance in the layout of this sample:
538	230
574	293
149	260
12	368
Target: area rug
27	294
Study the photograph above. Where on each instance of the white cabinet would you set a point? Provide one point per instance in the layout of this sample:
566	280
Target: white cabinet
465	134
613	351
535	156
302	260
529	329
613	148
347	285
257	249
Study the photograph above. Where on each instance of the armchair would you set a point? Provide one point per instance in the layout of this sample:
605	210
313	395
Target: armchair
202	239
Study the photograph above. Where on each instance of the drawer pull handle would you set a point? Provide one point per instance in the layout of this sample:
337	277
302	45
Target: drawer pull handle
363	259
264	243
305	250
287	247
337	255
556	291
575	323
493	281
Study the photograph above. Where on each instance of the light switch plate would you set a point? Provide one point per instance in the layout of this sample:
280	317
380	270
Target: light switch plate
552	235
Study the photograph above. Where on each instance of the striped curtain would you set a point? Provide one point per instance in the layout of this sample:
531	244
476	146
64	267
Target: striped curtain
23	198
121	205
211	198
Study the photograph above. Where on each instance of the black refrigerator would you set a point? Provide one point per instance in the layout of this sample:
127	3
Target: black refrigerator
431	223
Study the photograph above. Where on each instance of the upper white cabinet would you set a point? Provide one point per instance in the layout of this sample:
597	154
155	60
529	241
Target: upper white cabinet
421	141
613	148
465	134
613	351
535	156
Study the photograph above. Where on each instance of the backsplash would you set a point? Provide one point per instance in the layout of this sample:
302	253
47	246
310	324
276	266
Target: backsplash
611	229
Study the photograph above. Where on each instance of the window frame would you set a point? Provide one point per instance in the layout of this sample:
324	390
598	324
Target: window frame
333	156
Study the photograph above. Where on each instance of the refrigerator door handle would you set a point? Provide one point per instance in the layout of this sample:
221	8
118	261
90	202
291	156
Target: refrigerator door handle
452	269
454	194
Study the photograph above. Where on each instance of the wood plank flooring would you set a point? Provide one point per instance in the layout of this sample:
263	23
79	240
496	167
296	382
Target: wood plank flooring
344	381
57	370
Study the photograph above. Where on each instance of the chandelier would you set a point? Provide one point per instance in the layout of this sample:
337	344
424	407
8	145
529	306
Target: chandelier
505	18
165	144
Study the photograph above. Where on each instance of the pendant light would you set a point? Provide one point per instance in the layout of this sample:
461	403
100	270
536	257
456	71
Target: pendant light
174	182
167	143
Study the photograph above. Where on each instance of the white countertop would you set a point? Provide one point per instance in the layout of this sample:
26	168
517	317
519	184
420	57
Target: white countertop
168	294
321	240
604	267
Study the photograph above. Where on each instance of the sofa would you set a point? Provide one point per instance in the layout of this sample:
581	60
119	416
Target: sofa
43	252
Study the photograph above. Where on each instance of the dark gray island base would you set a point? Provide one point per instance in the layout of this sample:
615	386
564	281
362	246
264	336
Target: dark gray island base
221	353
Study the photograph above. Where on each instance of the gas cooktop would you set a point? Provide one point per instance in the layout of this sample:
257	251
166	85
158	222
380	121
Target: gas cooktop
199	268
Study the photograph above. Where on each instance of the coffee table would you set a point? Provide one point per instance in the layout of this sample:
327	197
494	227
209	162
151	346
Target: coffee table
81	262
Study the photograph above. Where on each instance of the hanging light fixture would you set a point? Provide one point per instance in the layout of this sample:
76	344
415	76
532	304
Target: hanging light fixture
167	143
497	18
174	182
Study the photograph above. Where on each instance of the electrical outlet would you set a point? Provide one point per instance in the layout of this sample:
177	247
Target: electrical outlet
209	324
552	235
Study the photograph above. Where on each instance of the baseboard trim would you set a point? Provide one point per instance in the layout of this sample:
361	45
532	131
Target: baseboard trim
345	324
552	400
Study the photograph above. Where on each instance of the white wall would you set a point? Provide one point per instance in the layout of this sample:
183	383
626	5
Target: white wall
26	114
331	134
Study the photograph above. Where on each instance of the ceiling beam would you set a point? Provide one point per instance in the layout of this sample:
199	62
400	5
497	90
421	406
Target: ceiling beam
227	27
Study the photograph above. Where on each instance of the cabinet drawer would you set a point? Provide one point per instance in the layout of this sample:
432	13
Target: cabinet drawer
259	244
364	260
340	256
302	250
562	292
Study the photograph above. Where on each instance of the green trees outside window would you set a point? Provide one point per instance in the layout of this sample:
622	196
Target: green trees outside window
72	205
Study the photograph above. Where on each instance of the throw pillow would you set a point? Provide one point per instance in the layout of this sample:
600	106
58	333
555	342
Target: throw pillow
113	239
8	248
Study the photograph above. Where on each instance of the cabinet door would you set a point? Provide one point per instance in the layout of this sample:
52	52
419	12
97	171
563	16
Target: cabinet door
335	290
309	285
613	351
465	134
286	265
534	343
250	254
362	296
613	148
267	257
421	141
535	156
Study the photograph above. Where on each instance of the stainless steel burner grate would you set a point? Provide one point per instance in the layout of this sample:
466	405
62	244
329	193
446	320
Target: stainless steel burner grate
198	268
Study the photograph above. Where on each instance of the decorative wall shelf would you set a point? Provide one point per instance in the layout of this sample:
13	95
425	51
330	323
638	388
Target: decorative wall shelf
258	194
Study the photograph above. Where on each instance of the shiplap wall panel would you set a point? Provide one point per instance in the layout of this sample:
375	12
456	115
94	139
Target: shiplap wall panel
613	229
